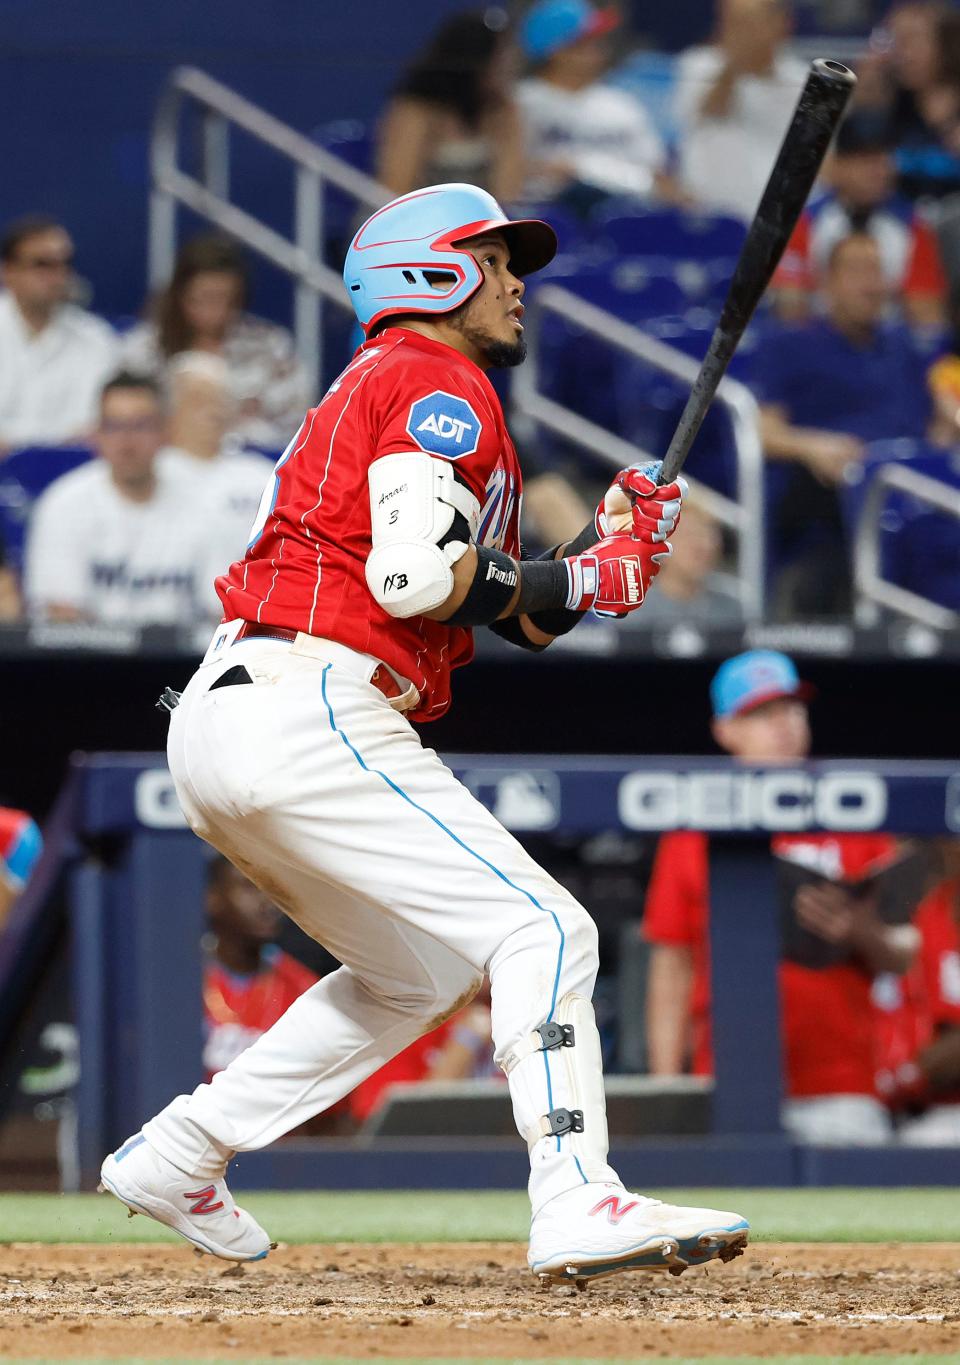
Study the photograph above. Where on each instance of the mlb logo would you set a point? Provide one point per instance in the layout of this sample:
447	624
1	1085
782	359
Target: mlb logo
443	424
521	799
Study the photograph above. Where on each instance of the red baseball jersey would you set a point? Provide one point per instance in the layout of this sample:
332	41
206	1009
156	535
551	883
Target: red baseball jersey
304	567
827	1022
237	1009
913	1009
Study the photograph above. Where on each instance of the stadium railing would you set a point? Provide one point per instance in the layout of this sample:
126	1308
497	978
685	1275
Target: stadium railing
875	591
137	923
207	193
742	516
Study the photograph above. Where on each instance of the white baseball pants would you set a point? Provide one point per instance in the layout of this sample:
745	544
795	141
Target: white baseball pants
325	797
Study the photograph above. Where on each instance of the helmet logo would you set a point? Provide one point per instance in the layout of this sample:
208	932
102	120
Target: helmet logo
445	425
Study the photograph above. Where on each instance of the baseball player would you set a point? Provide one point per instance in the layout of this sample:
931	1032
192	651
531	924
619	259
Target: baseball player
388	533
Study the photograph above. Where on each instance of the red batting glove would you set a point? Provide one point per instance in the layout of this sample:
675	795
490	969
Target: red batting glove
635	502
612	577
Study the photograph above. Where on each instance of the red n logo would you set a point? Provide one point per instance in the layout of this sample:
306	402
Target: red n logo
615	1210
203	1198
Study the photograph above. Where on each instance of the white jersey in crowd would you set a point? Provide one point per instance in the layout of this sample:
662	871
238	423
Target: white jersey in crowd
114	560
50	381
603	133
228	490
264	370
725	162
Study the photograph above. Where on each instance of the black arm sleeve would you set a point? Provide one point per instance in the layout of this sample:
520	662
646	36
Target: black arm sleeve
560	620
512	631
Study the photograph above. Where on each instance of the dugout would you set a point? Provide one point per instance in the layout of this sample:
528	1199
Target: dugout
135	910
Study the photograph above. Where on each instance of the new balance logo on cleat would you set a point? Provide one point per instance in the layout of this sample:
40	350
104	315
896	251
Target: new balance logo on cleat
203	1198
615	1210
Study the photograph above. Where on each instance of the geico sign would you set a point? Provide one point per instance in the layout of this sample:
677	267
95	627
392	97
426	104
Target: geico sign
777	801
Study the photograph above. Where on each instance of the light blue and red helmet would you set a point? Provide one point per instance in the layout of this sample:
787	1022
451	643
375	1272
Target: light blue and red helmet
407	259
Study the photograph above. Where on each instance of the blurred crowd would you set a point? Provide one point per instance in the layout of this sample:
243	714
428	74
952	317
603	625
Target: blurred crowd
133	459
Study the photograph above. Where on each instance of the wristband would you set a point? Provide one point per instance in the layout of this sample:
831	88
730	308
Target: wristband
544	585
560	620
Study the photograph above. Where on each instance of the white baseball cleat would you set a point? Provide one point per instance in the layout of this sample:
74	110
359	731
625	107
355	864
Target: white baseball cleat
598	1230
199	1209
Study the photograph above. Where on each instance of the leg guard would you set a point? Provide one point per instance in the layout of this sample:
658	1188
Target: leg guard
556	1084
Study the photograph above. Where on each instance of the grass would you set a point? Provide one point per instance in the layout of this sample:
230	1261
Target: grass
822	1215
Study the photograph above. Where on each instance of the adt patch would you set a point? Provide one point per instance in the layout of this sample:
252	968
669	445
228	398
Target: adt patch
443	424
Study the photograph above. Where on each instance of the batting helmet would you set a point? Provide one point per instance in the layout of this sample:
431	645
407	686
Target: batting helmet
407	259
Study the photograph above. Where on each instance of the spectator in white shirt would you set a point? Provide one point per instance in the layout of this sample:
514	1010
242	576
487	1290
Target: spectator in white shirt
579	133
121	539
54	357
734	100
203	309
229	480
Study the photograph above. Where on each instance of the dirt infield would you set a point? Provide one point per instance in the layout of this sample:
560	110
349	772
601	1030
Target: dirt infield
472	1299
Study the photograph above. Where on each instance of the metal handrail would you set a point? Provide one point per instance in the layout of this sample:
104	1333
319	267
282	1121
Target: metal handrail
221	110
745	515
873	590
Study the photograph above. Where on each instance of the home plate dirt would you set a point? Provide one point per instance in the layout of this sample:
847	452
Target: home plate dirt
472	1299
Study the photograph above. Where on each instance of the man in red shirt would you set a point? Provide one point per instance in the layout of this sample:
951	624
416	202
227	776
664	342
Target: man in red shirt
387	534
760	716
920	1025
248	982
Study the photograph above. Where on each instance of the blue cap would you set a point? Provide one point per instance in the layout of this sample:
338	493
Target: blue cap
553	24
748	680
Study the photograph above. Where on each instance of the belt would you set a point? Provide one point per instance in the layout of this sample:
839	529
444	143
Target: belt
381	678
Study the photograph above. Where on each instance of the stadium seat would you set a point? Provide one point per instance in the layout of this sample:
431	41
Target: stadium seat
919	546
24	474
628	288
670	232
348	138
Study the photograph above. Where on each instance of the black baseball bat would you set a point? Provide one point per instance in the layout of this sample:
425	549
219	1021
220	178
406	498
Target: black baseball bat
818	112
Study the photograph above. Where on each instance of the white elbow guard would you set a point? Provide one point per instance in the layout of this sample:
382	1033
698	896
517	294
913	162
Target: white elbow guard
422	521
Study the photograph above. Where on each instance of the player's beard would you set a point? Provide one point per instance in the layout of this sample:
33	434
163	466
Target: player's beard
499	355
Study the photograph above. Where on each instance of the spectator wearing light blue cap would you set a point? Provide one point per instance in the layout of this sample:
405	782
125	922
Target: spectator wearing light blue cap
583	138
759	705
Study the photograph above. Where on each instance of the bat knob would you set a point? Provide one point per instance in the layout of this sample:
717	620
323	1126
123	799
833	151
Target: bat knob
834	71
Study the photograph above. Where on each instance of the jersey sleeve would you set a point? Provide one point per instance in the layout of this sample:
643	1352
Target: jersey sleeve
442	414
675	910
